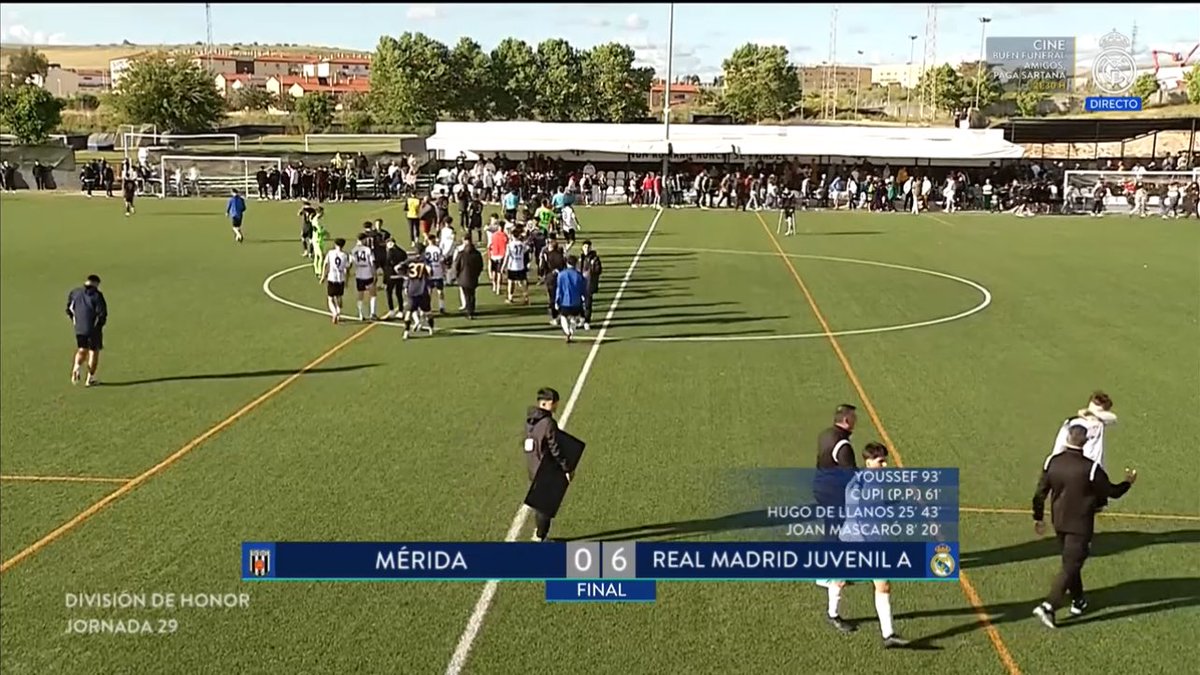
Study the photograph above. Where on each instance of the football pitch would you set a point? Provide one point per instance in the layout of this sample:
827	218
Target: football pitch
230	410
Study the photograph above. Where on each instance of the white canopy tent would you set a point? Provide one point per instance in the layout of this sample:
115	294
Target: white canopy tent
623	142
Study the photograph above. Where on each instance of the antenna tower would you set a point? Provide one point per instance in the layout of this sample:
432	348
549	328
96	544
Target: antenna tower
208	26
929	62
829	89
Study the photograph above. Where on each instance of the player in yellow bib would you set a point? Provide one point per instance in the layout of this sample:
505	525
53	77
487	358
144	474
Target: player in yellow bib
545	216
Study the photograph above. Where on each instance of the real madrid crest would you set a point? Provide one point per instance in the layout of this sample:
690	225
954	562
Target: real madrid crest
1114	69
942	563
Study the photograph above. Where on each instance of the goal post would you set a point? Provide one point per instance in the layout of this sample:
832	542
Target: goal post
355	141
151	129
134	139
1079	186
204	176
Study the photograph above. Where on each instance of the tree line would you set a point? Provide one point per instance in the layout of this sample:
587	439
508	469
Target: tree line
416	80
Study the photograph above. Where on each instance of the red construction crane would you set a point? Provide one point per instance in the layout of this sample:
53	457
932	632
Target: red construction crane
1177	58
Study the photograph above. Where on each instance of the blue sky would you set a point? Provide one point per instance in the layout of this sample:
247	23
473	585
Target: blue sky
704	33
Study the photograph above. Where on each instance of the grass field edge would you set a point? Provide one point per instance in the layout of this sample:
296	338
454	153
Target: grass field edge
146	475
973	597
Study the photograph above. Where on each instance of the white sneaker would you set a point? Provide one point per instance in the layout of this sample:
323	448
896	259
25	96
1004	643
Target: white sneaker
587	326
91	381
405	333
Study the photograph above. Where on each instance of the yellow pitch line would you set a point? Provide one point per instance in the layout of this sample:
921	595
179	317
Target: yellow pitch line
981	613
65	479
146	475
1106	514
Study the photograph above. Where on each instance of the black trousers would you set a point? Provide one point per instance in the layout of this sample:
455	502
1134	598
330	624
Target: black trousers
395	289
542	522
1075	549
588	300
551	291
469	297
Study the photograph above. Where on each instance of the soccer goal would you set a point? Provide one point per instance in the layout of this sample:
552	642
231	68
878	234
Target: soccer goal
342	142
1079	187
124	129
194	176
55	139
135	139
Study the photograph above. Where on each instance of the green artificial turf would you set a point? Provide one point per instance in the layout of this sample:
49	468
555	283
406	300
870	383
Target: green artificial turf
419	440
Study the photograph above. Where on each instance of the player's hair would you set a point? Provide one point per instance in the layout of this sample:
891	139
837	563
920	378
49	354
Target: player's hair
1102	399
587	242
1077	435
874	450
339	242
572	261
366	224
843	412
363	236
93	279
547	394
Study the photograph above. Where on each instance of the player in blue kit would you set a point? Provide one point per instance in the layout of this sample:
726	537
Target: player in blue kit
858	520
235	209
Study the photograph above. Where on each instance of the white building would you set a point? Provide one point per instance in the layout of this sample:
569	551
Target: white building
902	74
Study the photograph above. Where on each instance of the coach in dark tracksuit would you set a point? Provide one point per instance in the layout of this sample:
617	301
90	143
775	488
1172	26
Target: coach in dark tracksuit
541	441
393	277
589	264
835	466
1078	487
550	263
468	265
88	311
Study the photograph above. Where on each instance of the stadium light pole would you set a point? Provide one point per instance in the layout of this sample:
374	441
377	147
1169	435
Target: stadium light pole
983	22
857	84
666	165
912	47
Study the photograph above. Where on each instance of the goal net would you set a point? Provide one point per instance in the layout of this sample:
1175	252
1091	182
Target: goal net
136	139
1079	187
196	176
125	129
355	142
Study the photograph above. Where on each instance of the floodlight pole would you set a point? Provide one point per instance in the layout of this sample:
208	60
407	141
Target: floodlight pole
666	163
983	22
912	46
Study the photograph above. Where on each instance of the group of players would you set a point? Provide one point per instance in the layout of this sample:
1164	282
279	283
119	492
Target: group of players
439	257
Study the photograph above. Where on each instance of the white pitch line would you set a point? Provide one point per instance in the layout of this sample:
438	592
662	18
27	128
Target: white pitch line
475	623
984	303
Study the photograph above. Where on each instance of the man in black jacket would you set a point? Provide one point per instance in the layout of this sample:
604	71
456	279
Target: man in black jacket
835	469
541	441
1078	487
468	265
589	264
88	312
393	276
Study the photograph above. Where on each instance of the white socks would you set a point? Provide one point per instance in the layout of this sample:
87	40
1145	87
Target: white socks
567	328
883	608
835	596
334	310
373	305
360	314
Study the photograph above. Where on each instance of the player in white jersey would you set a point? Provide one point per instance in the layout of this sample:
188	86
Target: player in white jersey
516	265
436	261
570	225
364	273
333	273
1095	417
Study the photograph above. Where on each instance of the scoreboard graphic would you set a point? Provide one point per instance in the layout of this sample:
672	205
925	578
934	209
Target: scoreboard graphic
896	524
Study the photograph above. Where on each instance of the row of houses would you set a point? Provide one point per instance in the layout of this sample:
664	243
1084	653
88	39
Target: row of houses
264	66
